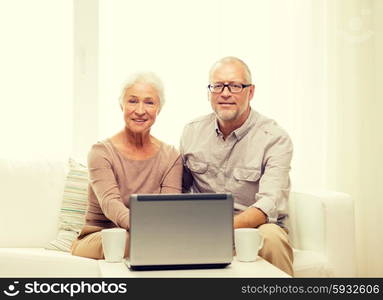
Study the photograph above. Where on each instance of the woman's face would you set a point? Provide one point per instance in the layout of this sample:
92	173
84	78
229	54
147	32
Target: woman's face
140	105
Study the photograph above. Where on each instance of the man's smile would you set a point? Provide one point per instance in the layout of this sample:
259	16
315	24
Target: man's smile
227	104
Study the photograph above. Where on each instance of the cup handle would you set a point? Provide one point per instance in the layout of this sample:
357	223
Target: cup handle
261	246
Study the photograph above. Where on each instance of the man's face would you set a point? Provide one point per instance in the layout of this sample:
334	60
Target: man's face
230	106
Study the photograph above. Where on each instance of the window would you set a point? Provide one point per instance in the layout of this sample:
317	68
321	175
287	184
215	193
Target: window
36	77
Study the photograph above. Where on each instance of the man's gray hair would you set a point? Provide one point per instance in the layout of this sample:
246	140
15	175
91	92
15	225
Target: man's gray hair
146	77
229	59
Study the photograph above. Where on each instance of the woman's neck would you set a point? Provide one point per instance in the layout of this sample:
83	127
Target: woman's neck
136	140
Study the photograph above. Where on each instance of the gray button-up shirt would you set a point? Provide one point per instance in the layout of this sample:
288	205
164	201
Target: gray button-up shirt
252	163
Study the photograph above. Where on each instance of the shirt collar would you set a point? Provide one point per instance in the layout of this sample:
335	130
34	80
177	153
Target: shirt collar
216	127
240	132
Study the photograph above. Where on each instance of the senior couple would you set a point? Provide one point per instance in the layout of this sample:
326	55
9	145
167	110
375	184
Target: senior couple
234	149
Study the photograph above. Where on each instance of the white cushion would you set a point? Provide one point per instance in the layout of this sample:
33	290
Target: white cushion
323	221
311	264
30	199
39	262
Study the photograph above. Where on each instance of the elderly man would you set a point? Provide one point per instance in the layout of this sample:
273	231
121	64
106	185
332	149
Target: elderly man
239	151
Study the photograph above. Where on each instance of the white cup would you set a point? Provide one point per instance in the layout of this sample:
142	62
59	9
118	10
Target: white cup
113	244
248	241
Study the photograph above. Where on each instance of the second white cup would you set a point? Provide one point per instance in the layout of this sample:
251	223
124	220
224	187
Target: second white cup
248	241
113	244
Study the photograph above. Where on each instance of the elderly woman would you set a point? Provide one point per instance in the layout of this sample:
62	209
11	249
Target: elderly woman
130	162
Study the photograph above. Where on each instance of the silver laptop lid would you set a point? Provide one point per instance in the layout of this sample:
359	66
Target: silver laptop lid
181	229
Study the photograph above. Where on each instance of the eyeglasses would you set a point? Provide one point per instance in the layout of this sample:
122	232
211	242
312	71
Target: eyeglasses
233	87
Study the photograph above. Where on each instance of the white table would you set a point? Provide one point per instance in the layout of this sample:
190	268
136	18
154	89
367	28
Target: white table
258	268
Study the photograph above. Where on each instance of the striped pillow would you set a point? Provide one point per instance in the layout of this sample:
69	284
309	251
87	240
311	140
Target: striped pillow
73	208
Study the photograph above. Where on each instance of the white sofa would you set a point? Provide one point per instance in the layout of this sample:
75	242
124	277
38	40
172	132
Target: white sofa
322	227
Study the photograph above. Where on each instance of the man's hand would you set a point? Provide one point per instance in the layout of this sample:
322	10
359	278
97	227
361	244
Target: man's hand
250	218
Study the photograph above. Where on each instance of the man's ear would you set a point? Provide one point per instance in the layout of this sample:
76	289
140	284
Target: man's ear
251	92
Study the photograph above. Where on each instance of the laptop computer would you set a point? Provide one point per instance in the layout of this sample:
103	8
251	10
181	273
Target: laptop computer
180	231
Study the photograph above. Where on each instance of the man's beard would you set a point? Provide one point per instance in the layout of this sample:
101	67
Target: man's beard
226	115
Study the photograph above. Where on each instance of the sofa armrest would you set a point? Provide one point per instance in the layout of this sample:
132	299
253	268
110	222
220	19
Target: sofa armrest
323	221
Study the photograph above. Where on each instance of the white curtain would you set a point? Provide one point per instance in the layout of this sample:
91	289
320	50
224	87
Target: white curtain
354	96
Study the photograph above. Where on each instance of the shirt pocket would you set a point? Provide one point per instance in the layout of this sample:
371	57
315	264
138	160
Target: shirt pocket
249	175
245	185
198	167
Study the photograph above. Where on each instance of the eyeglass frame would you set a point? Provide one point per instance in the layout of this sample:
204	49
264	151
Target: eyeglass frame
228	86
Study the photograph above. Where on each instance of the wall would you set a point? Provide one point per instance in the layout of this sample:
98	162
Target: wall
36	73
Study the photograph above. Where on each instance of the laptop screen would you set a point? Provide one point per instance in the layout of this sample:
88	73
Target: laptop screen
181	229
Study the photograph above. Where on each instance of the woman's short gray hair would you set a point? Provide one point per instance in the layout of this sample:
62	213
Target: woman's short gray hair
146	77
